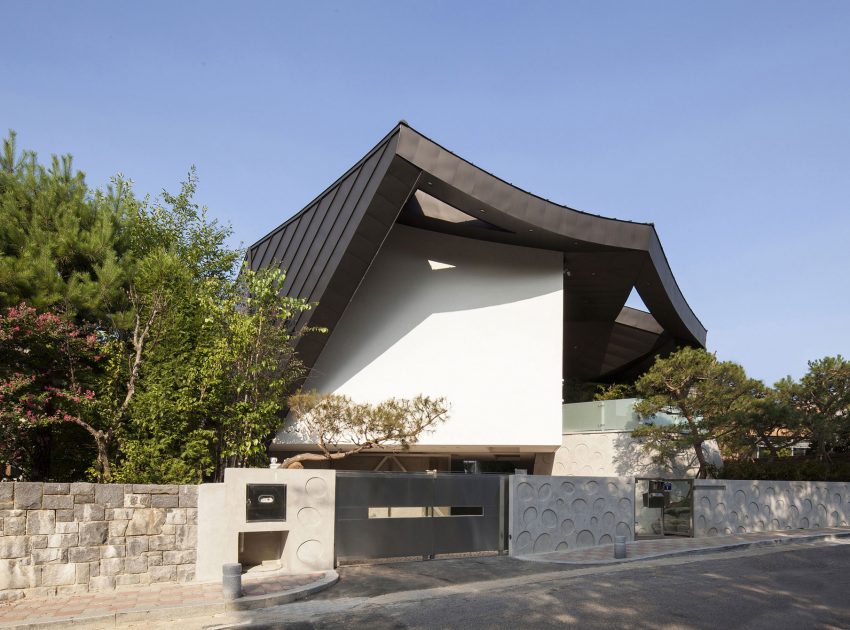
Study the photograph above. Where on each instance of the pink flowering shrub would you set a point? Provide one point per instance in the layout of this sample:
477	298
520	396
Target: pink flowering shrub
47	370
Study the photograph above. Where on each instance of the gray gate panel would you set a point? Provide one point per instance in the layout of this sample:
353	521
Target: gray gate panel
467	490
457	534
358	536
384	538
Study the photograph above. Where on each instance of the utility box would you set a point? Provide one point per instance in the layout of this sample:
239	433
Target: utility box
265	502
658	495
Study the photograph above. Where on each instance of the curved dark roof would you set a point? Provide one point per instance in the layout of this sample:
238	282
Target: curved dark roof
327	247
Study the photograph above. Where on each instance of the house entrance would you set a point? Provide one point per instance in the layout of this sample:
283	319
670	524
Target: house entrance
663	507
389	515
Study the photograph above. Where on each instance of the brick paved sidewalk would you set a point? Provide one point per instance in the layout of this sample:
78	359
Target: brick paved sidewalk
143	599
642	549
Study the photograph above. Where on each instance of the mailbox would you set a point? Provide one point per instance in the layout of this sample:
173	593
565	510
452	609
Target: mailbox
657	497
265	502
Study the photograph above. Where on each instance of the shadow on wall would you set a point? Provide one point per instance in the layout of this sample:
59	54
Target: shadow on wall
402	289
631	459
613	453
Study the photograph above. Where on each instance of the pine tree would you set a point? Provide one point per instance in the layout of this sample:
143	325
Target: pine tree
61	246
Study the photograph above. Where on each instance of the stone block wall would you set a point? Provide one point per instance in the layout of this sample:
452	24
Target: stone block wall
59	538
560	513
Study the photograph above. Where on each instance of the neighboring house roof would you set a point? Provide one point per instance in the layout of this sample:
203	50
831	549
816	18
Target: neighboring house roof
327	248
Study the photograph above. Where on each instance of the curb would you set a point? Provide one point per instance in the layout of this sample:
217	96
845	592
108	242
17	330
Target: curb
276	599
765	542
113	620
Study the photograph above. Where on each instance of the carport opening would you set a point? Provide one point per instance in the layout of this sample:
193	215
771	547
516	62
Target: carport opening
262	551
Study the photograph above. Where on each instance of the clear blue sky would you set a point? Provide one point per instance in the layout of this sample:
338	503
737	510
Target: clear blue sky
727	124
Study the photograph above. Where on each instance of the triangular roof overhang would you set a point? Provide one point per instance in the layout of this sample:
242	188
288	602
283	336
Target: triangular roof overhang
327	248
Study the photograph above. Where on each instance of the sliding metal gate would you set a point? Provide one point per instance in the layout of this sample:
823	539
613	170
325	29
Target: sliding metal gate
385	515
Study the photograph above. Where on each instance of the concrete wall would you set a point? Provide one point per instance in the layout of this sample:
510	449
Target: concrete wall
560	513
738	506
59	538
616	454
477	322
306	536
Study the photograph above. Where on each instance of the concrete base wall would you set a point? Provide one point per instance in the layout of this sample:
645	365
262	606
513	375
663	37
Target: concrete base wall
560	513
737	506
305	540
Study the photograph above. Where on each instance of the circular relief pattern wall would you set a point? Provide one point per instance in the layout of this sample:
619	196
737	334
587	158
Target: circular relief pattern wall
525	492
310	553
585	538
309	516
523	542
316	487
543	543
579	506
550	519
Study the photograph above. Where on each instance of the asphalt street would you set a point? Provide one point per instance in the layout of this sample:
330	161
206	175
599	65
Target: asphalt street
795	586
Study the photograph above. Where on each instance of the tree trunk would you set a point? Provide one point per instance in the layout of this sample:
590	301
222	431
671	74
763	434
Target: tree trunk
104	474
821	449
295	460
42	442
702	473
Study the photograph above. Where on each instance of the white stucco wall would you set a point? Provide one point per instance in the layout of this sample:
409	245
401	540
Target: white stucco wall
615	453
483	329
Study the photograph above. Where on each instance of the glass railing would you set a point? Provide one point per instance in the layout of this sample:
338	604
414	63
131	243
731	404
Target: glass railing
605	415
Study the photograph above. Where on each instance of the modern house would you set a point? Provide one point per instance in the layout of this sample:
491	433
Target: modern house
434	276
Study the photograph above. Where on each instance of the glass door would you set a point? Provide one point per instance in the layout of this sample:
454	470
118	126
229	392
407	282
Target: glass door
663	507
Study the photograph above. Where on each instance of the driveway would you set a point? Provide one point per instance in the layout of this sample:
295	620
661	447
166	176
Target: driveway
794	586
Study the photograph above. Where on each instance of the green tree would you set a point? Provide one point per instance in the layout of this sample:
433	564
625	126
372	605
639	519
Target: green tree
341	427
61	246
250	361
197	359
180	263
709	396
769	422
821	400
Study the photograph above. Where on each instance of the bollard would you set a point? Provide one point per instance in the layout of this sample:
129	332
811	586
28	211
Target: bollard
619	547
231	580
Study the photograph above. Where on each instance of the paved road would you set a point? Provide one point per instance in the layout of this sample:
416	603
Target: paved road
371	580
799	587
